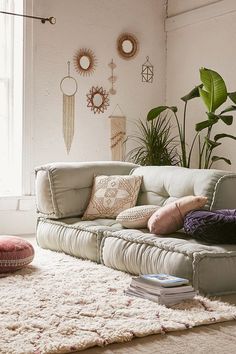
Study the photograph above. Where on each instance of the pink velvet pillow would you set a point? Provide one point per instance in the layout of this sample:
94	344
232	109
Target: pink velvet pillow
170	218
15	253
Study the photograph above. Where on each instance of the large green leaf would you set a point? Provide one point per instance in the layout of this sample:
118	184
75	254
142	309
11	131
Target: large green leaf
192	94
214	92
155	112
232	96
205	124
217	158
221	136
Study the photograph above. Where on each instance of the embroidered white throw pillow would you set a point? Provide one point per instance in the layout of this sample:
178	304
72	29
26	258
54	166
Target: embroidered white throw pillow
111	195
136	217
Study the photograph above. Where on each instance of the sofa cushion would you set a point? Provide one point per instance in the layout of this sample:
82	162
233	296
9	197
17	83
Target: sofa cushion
111	195
216	227
63	189
75	237
170	218
136	217
164	184
210	269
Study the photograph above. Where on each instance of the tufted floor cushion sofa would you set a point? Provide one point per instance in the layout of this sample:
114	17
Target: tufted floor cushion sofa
63	191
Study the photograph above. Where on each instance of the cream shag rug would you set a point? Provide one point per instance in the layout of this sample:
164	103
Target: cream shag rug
61	304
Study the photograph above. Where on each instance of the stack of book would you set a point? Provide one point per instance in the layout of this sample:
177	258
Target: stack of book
162	288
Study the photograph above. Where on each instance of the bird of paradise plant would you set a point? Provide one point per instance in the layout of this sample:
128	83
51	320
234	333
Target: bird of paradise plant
213	92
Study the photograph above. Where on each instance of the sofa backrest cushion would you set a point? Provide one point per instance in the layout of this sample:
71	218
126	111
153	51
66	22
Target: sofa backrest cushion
64	189
164	184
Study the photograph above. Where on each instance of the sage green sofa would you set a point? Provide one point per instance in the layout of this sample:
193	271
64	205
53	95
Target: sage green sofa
62	194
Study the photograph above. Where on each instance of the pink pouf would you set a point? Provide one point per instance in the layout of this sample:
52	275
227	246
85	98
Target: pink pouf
15	253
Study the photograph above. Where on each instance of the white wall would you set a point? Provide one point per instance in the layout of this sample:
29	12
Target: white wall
176	7
203	37
94	24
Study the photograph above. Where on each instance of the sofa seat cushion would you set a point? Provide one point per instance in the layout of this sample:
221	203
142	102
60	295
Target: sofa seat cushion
211	269
75	237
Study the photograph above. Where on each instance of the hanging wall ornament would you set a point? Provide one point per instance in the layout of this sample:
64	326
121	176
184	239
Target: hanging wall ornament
85	61
147	71
118	134
97	99
69	88
112	78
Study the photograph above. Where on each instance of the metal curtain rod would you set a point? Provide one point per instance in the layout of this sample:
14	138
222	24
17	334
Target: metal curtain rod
52	20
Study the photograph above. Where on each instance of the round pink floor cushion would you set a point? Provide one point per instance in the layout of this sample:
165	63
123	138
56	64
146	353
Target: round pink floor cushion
15	253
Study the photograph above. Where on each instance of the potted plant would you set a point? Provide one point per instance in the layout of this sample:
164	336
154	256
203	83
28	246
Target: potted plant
154	142
213	92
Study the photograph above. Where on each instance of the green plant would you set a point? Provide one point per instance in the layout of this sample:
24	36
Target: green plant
213	93
155	145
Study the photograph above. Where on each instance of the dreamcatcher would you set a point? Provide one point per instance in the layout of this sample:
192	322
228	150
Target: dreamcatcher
69	88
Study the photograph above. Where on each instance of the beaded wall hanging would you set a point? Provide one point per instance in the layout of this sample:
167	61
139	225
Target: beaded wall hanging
112	78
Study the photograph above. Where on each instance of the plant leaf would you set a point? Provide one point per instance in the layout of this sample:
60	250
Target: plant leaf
229	109
155	112
205	124
213	116
227	119
221	136
232	96
214	92
212	144
192	94
217	158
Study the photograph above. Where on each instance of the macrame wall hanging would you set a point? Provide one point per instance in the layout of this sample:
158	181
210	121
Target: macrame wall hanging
69	88
117	134
112	78
147	71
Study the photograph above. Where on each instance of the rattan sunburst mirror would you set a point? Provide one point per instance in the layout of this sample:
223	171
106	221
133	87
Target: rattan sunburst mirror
85	61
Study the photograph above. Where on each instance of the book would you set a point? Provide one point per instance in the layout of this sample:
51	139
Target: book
158	289
149	286
164	280
167	300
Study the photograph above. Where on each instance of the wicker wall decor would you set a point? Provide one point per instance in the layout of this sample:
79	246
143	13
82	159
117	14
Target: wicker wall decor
98	99
69	88
85	61
147	71
127	46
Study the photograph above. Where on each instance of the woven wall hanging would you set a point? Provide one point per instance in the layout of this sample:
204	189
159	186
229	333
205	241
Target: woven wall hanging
147	71
69	88
117	134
